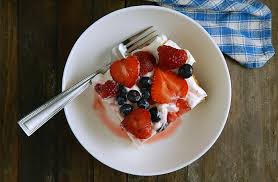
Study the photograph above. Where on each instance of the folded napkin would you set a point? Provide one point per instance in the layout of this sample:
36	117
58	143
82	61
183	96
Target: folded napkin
241	28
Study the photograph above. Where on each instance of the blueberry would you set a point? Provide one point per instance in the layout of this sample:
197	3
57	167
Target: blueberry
145	82
142	103
122	91
185	71
133	96
145	93
126	109
121	99
154	114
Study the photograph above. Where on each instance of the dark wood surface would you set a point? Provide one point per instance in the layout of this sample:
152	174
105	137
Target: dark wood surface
35	40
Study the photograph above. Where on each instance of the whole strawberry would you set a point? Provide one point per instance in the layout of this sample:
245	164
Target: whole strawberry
146	60
125	71
171	58
138	123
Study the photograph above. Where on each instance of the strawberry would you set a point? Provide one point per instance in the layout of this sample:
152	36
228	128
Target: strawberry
108	89
183	108
146	60
138	123
171	117
125	71
171	58
167	86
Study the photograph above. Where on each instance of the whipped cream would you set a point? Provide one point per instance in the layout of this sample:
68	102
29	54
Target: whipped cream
194	96
163	110
118	52
195	93
152	47
134	87
108	103
149	74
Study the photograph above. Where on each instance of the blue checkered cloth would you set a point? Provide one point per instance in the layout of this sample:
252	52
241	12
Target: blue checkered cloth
241	28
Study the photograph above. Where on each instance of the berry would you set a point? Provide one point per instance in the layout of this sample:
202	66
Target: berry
145	93
171	117
147	60
171	58
183	108
145	82
122	91
126	109
167	86
121	99
142	103
133	96
185	71
138	123
108	89
154	114
125	71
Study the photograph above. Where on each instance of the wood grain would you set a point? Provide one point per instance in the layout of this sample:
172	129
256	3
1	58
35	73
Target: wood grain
133	178
74	163
247	148
37	76
101	171
35	40
177	176
9	149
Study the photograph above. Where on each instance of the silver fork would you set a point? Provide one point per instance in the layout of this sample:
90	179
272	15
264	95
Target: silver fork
41	115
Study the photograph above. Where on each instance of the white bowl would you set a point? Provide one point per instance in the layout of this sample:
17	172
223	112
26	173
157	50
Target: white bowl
200	127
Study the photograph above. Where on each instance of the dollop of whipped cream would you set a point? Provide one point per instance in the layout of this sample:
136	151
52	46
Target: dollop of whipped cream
152	47
163	110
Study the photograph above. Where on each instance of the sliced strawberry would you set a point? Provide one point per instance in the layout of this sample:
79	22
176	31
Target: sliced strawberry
147	60
183	108
138	123
171	58
108	89
171	117
125	71
167	86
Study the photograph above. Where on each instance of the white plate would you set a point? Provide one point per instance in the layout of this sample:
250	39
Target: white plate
199	129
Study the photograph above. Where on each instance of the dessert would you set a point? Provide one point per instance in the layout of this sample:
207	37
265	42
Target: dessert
151	88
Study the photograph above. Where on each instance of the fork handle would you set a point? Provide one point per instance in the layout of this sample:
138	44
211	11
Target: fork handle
41	115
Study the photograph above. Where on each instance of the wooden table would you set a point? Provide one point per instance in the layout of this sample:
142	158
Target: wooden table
35	40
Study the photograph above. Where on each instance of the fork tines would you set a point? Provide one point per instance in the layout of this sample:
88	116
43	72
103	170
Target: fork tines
141	39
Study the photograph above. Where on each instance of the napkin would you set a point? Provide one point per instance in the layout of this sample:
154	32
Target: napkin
241	28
